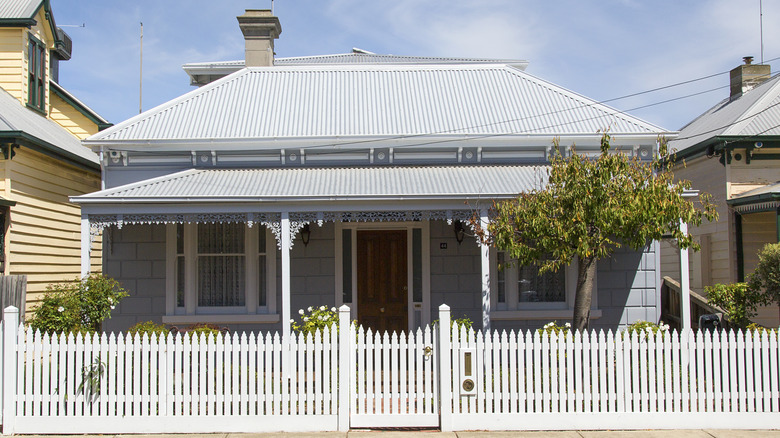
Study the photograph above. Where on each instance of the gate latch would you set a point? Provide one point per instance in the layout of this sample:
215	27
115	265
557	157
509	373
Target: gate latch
428	351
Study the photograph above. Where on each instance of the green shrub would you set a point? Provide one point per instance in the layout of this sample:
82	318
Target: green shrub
149	328
765	280
203	330
77	306
738	300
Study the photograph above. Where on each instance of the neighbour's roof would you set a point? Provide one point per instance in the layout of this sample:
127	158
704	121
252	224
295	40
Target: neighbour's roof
328	184
23	124
754	113
373	100
767	196
19	9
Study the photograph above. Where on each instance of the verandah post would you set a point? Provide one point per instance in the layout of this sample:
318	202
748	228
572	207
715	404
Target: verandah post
344	364
445	369
10	328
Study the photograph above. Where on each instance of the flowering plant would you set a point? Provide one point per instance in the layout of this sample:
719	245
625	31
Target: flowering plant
315	319
554	328
78	306
645	328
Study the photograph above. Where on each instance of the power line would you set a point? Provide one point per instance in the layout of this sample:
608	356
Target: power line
585	105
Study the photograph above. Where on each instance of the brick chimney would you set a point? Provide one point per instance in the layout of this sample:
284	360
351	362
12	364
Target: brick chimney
747	76
260	29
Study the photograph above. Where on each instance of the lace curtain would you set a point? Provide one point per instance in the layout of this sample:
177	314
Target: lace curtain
221	264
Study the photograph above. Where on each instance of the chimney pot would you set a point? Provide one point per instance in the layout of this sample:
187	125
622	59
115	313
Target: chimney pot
260	28
748	60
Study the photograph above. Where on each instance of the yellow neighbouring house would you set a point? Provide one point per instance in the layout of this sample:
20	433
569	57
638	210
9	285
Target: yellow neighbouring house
42	160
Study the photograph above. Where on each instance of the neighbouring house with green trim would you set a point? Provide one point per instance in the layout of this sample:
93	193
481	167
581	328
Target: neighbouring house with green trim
732	151
43	161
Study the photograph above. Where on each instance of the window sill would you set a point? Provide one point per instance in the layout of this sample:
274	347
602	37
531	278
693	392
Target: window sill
222	319
546	314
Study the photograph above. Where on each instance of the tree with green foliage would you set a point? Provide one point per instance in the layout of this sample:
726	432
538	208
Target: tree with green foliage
589	207
766	278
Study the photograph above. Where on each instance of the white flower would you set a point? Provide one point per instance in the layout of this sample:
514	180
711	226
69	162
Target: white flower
292	321
60	309
568	324
332	309
320	318
110	301
113	307
300	312
311	308
323	307
305	319
649	329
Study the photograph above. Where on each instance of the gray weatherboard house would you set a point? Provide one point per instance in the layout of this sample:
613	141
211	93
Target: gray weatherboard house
293	182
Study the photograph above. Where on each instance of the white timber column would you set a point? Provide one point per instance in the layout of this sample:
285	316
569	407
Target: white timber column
685	284
485	259
286	247
86	246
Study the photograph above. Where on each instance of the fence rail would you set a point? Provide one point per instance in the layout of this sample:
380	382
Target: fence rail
456	380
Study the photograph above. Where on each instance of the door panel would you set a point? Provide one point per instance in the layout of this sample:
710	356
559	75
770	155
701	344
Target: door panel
382	280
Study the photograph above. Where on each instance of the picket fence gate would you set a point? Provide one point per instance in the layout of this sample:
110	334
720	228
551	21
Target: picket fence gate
453	379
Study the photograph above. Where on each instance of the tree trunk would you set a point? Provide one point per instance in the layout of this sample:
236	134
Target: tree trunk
586	272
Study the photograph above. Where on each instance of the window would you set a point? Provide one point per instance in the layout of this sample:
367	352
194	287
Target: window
219	268
524	288
36	66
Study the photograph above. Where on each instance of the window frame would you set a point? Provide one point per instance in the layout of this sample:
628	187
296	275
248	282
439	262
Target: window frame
36	73
191	312
513	308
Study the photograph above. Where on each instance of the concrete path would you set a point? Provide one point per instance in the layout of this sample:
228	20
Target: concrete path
426	434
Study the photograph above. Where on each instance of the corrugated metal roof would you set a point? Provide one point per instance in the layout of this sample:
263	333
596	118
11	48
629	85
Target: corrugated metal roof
756	112
374	100
360	58
15	117
18	9
363	183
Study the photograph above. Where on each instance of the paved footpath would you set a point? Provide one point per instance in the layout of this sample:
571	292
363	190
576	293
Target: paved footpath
428	434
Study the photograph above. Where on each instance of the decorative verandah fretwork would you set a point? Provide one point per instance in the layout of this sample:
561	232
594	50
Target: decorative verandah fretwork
98	223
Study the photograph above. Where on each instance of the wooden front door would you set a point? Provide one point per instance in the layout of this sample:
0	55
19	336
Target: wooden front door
382	280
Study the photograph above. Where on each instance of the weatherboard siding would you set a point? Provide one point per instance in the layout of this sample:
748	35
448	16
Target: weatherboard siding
710	177
70	118
12	58
45	234
744	177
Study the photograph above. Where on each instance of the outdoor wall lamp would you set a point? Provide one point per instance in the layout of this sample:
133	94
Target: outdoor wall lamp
305	234
460	232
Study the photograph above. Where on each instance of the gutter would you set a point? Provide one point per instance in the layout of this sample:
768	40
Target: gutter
22	138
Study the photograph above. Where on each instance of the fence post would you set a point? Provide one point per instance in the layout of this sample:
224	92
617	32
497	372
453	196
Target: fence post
10	328
445	369
344	368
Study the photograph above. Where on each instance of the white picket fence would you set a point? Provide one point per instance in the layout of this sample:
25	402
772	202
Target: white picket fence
615	380
457	380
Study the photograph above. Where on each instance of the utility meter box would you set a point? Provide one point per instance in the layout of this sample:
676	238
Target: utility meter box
468	372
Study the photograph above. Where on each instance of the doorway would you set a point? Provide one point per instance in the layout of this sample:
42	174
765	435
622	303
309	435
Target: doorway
382	281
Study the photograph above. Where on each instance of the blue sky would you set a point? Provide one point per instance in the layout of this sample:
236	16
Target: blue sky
601	49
